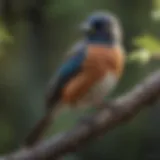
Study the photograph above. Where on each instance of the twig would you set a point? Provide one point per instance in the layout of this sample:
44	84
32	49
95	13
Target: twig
114	113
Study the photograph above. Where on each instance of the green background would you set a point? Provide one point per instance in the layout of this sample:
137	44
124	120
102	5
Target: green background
35	34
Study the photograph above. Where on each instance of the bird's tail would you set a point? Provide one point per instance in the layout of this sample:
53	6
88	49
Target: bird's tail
38	131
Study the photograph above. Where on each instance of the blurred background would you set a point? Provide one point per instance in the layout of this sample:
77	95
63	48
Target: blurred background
35	34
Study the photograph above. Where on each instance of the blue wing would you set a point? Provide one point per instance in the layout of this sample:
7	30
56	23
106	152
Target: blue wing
70	68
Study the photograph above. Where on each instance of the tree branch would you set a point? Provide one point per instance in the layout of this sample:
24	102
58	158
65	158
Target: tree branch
113	113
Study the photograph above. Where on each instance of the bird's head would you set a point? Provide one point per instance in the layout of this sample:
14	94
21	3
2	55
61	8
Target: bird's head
101	27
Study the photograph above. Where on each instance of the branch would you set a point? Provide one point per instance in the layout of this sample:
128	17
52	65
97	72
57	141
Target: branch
114	113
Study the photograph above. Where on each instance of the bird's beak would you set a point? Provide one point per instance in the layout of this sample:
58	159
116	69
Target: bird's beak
85	27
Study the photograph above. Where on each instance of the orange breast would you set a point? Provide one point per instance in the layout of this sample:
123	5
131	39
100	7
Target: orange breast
98	62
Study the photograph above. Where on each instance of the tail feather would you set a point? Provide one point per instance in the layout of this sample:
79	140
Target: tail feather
38	131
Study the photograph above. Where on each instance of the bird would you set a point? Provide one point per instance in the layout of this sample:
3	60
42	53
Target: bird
89	72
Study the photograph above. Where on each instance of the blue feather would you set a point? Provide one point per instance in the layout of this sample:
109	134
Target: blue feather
67	71
73	65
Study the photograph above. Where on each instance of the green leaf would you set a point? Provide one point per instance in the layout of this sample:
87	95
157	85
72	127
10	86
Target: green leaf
143	56
148	42
4	34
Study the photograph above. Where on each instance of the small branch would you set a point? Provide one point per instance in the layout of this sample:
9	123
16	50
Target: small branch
114	113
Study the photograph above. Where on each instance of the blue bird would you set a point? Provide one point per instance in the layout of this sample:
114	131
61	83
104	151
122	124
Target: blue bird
89	73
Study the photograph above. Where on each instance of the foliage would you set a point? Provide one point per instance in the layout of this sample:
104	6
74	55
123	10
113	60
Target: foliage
5	39
148	42
148	48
